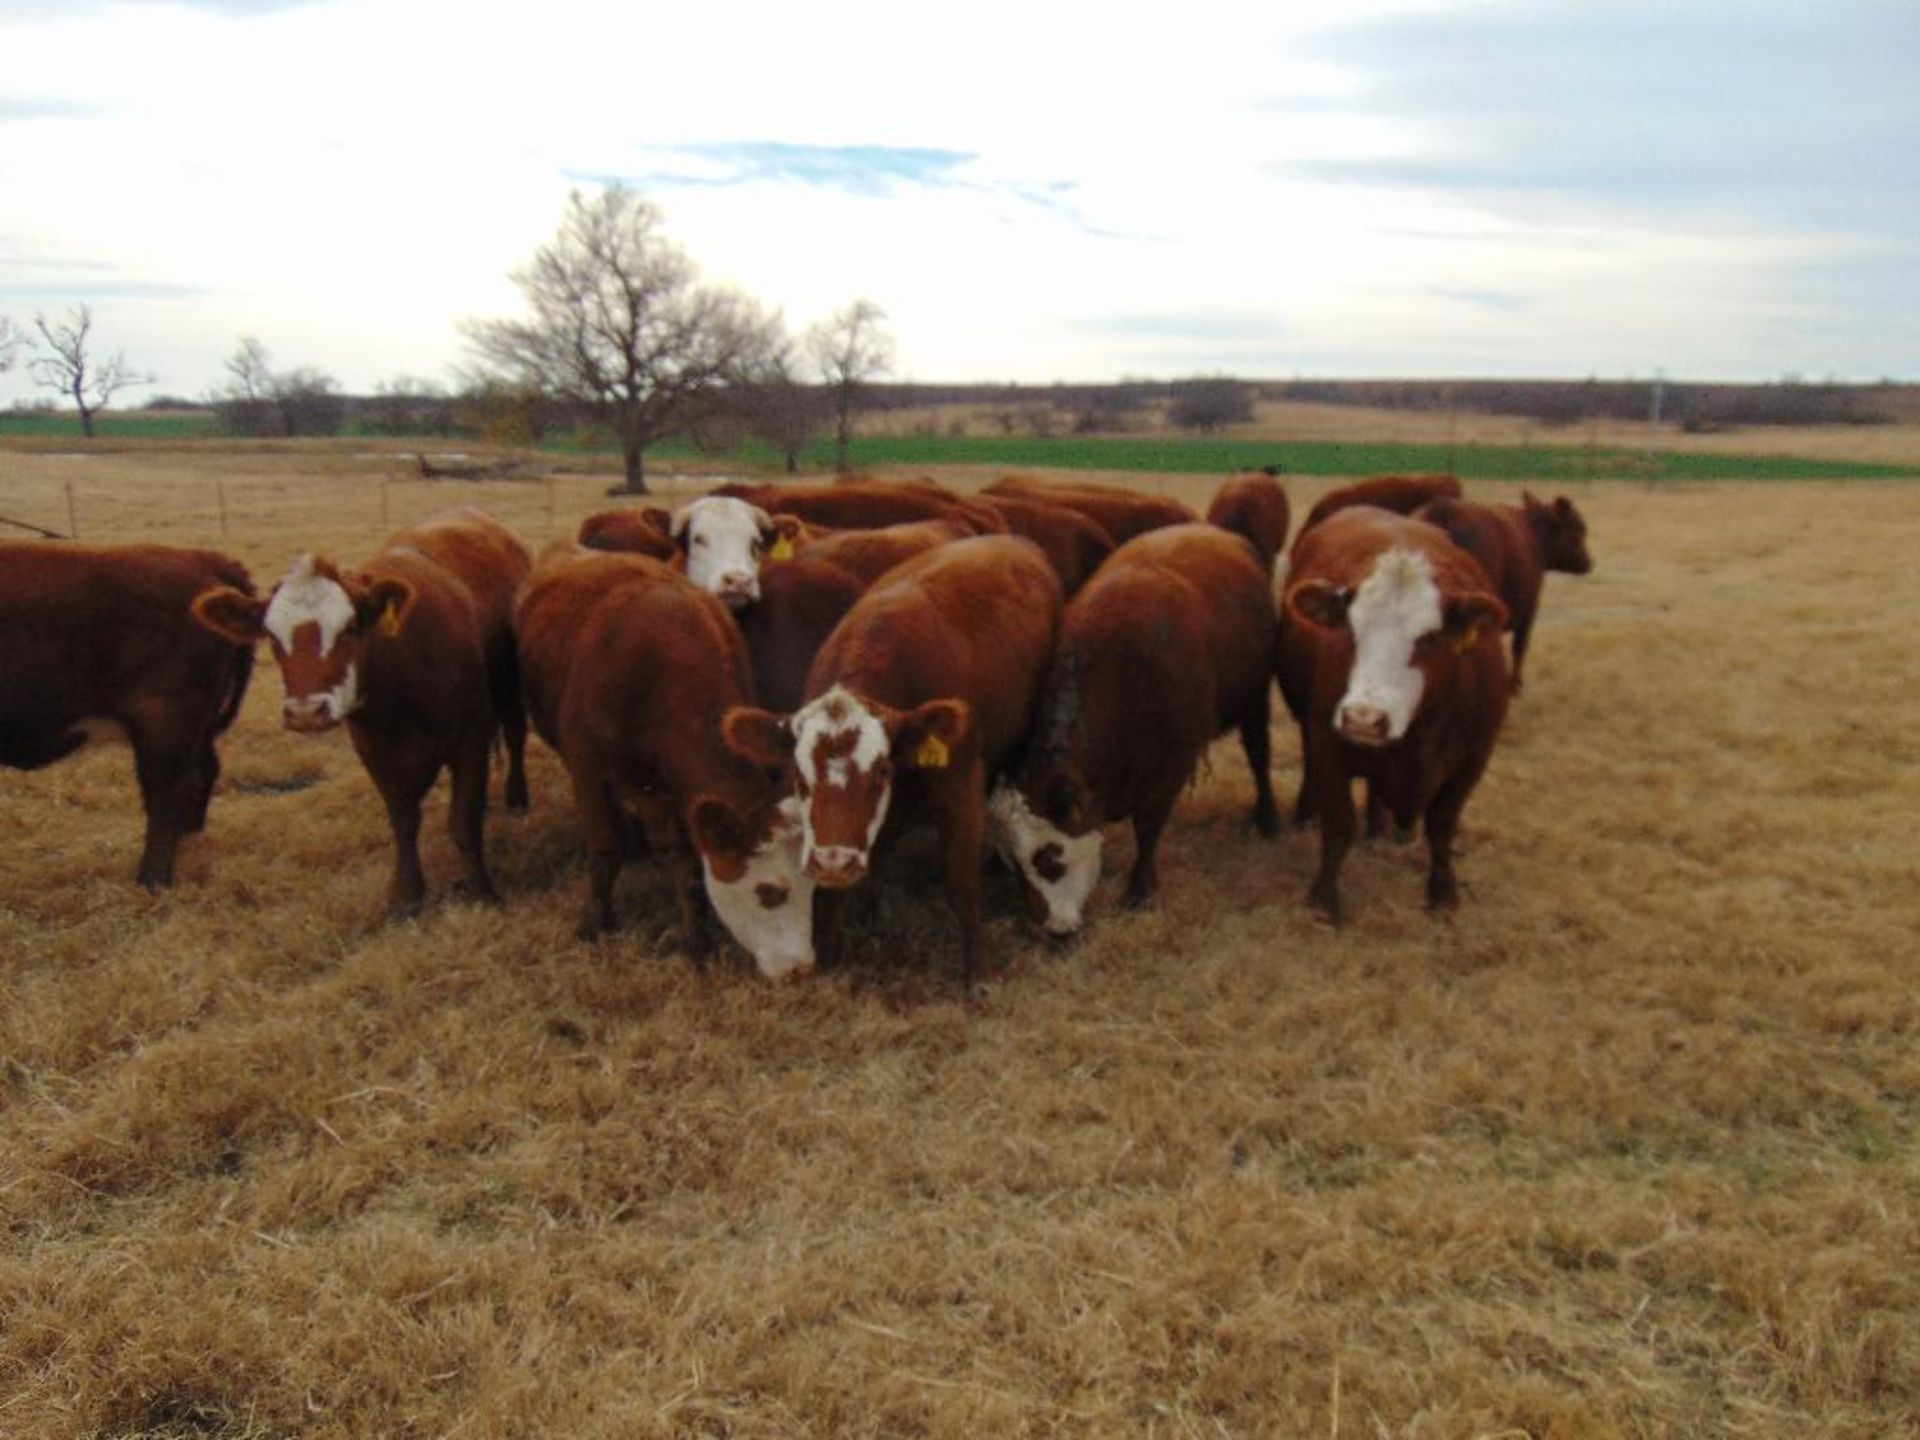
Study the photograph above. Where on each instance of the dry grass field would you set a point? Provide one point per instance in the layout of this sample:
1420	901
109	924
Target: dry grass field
1627	1148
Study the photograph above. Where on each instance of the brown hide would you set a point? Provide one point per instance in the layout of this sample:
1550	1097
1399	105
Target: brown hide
1431	770
869	554
1516	545
801	601
1254	507
629	671
106	633
1402	494
864	504
1122	513
1074	545
646	531
1168	646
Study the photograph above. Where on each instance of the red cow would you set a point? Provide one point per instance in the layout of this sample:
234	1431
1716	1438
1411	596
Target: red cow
801	601
860	504
645	531
1254	506
1075	546
1402	494
1516	545
629	669
1122	513
719	542
869	554
414	653
99	640
1390	658
916	701
1168	646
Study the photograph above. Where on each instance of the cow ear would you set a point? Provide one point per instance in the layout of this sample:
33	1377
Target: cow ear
231	614
758	735
781	535
1563	508
1320	602
385	605
719	832
924	737
1469	616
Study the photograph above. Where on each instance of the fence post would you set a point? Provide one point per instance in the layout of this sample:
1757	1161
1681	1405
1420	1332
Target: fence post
220	487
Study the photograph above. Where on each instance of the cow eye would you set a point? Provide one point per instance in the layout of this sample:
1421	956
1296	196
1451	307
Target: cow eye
699	540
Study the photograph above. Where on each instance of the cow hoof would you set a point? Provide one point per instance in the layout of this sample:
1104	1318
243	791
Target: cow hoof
401	913
1405	834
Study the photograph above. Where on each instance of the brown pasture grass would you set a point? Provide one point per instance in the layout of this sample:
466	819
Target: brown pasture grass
1624	1149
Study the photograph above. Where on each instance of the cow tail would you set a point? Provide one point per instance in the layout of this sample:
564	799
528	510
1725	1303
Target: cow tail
237	681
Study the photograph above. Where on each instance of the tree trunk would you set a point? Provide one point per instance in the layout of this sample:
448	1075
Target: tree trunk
636	468
843	439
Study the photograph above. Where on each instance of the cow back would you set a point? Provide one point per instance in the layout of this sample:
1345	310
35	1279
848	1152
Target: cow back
1255	508
1122	513
1400	494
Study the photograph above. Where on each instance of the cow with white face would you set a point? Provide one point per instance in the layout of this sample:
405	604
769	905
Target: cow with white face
723	542
919	696
756	882
1390	659
413	653
1169	645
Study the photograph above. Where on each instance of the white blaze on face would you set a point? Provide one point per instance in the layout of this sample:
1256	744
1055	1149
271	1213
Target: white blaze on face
305	597
837	742
1396	604
769	909
1061	868
724	540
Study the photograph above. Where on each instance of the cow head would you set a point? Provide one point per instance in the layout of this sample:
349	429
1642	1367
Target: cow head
724	541
1562	532
842	751
1057	869
318	621
755	881
1404	632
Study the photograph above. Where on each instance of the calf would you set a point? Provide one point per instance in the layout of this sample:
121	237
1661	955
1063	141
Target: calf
1516	545
1074	545
100	639
920	696
1390	658
1122	513
414	653
1255	508
1402	494
630	668
1168	646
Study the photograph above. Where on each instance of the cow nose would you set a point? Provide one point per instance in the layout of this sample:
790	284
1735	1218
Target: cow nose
737	586
836	866
1366	724
301	712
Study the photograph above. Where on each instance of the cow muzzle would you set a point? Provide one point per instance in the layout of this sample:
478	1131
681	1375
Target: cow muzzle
738	589
1364	725
836	866
307	714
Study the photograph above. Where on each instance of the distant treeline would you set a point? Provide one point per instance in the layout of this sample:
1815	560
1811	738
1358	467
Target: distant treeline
1692	406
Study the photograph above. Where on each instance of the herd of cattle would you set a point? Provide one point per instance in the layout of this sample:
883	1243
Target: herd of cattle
767	685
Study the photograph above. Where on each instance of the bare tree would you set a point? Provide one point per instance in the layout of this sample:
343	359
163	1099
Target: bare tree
620	323
849	348
12	340
263	401
70	370
784	411
1210	404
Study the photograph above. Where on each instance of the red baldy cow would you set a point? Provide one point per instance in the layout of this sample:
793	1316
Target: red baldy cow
414	653
99	640
629	669
917	700
1516	545
1169	645
1390	659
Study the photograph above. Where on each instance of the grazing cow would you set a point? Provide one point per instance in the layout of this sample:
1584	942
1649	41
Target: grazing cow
1253	506
1516	545
1390	659
1122	513
414	653
1168	646
98	641
918	699
869	554
861	504
1075	546
1401	494
645	531
629	669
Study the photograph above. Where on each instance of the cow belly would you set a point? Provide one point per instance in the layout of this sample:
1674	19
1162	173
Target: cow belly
28	744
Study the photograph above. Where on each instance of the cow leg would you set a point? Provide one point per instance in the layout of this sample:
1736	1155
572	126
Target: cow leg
1522	632
170	793
1305	812
1148	821
513	729
604	833
467	813
1256	740
963	834
403	787
696	914
1333	797
829	925
1443	821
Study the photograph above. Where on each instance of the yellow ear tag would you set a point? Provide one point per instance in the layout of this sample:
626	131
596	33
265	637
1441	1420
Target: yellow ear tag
389	622
933	754
782	549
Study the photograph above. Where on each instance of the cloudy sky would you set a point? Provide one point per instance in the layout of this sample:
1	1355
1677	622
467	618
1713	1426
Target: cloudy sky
1032	191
